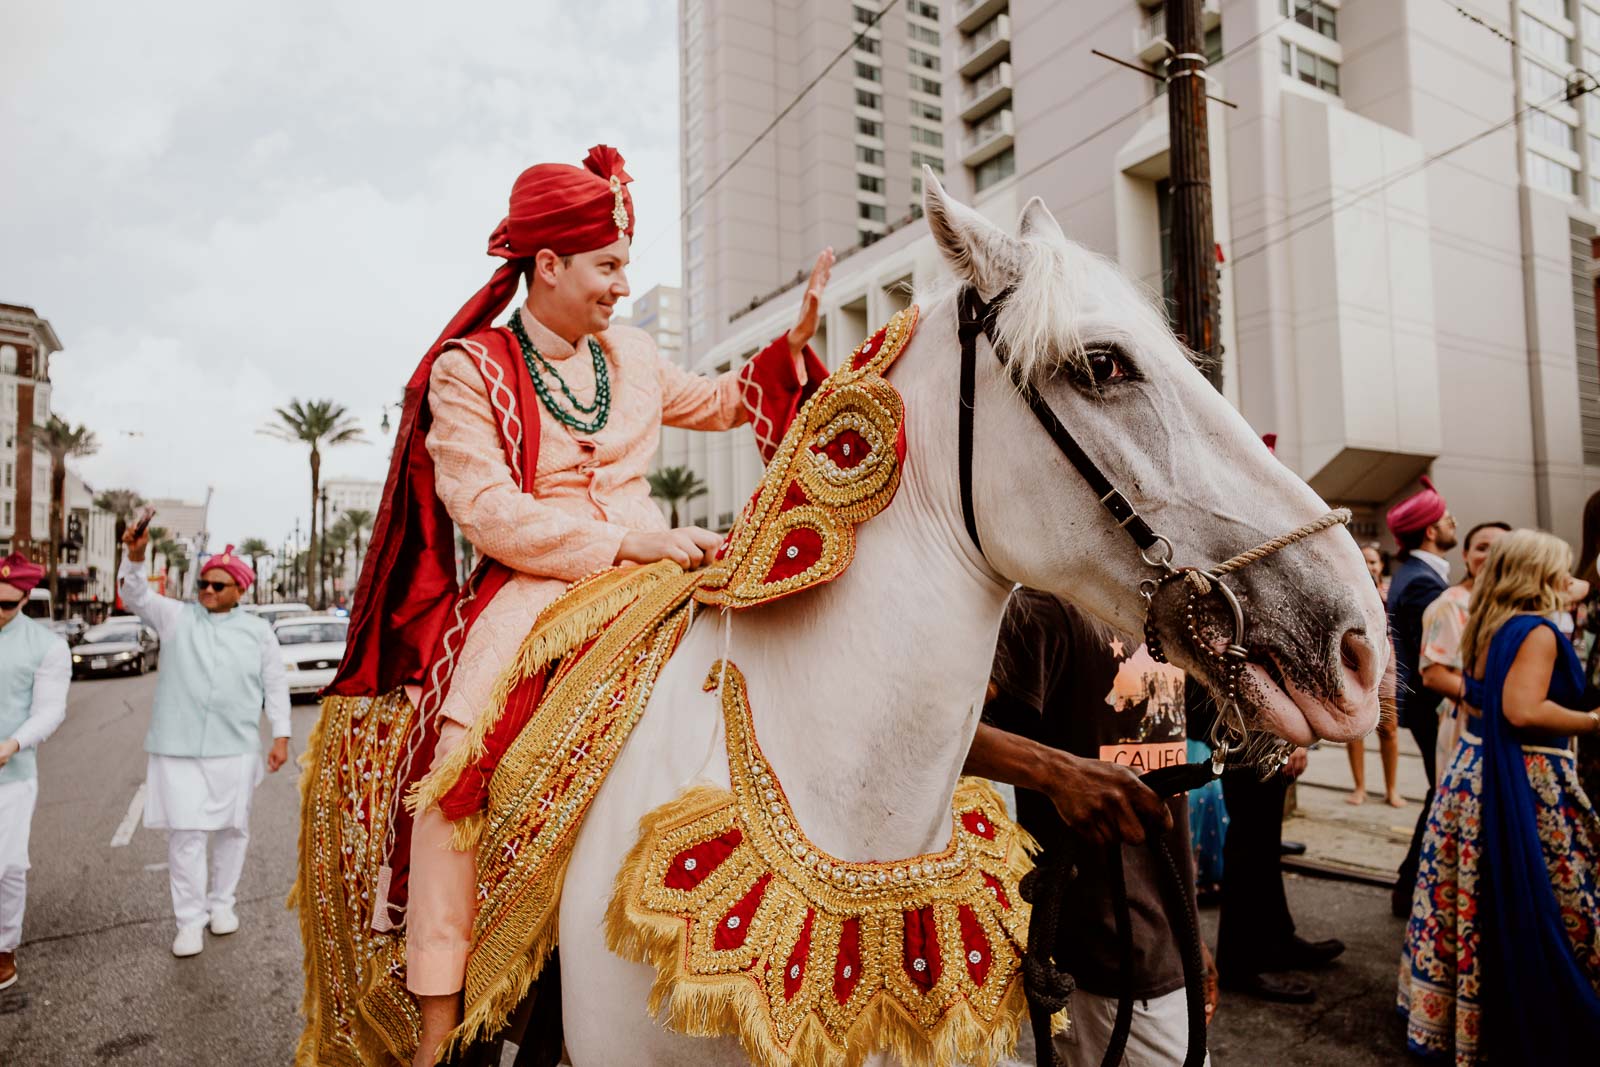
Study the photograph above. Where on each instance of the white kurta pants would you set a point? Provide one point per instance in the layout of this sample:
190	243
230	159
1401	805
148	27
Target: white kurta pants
1159	1036
17	800
197	799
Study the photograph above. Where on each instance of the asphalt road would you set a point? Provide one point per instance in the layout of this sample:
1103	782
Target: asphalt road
99	984
98	981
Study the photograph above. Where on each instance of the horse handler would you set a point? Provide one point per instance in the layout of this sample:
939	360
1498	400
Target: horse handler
220	666
533	439
35	671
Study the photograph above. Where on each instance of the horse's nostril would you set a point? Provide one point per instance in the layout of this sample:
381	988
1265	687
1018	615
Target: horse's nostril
1359	657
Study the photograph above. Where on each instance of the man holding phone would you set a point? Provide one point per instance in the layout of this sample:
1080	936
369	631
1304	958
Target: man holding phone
220	666
35	670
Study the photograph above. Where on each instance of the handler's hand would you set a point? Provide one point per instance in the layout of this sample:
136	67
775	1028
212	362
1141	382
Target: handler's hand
136	545
687	546
1213	996
279	754
1297	763
8	748
805	326
1105	802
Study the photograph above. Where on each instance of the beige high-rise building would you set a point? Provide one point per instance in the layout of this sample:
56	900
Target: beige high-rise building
1407	277
659	313
841	168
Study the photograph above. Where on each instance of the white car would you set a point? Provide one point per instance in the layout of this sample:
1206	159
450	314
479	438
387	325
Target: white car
276	613
312	647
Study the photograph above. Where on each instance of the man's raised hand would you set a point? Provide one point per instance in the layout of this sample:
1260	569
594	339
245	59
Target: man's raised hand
805	326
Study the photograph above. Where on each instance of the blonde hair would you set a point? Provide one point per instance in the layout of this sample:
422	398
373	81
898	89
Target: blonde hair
1525	574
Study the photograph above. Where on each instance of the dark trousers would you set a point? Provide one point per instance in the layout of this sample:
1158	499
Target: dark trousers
1255	925
1424	726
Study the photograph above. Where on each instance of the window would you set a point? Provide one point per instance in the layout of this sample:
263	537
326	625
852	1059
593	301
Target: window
866	237
1551	130
1551	176
9	469
869	155
1594	193
1540	83
1313	15
935	113
916	184
864	16
870	45
869	127
869	184
1213	55
924	11
1310	68
923	59
1561	9
923	34
928	137
868	71
920	84
866	99
874	212
1544	42
919	160
8	514
995	170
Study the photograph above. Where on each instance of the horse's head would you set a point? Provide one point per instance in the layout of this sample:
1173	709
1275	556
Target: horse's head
1102	358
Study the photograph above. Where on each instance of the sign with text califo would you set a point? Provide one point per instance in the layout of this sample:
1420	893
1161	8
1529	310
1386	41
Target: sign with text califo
1146	756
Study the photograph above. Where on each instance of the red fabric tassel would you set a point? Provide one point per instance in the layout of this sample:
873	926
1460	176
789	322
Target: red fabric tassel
694	865
847	965
794	969
734	927
922	948
975	944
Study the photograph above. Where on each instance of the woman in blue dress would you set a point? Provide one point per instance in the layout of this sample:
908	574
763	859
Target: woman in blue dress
1502	949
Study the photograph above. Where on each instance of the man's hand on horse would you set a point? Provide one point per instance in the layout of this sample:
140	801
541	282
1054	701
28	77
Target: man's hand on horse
805	327
687	546
1105	802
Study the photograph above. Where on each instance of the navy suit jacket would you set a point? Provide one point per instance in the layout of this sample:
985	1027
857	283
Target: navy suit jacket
1414	586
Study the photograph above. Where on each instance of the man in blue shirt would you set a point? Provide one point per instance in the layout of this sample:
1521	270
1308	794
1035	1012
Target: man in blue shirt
1424	530
220	667
35	670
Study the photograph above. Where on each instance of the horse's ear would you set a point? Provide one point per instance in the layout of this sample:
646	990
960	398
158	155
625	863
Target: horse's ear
1036	221
980	253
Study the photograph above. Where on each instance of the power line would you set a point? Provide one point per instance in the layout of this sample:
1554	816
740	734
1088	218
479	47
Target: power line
1472	16
1416	168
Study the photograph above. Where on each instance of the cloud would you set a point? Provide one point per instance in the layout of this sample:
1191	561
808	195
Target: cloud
222	206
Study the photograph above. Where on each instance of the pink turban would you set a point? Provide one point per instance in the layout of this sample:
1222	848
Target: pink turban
1417	512
231	565
21	572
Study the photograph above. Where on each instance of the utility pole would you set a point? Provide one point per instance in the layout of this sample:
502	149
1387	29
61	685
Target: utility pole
1194	255
322	557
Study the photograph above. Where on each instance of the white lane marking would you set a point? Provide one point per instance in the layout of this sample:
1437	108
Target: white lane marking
130	821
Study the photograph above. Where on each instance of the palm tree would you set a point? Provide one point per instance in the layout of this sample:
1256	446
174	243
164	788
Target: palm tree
178	560
358	521
334	542
317	424
61	439
164	548
254	548
158	537
124	505
676	485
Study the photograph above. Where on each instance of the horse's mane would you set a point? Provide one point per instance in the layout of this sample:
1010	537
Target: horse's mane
1064	300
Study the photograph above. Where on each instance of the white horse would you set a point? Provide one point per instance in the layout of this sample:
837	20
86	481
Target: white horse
866	692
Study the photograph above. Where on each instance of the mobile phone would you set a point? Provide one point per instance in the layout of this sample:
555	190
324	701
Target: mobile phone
144	523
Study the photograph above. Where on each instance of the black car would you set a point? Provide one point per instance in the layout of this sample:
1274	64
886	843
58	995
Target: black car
72	630
121	646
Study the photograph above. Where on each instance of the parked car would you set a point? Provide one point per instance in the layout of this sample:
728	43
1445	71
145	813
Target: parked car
276	613
121	646
312	646
70	629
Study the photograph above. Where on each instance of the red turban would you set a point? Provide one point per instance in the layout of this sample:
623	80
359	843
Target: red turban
21	572
231	565
1417	512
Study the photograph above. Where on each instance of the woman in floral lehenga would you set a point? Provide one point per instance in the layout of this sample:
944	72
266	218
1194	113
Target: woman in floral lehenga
1502	950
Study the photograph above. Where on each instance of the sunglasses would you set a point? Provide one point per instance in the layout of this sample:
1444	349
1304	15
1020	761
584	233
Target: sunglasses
215	587
10	605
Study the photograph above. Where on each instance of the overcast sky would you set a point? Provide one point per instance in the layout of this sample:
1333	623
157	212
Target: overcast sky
222	206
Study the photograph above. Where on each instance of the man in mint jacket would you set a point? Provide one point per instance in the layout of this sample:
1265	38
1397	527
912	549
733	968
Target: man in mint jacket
35	671
220	667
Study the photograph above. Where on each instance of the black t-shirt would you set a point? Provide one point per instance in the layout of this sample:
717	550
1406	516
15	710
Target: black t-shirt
1069	682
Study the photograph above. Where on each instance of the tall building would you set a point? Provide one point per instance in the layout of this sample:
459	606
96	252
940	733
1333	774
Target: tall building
347	494
841	169
659	313
1407	277
27	342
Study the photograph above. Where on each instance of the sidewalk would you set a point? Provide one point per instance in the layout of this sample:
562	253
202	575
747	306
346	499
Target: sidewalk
1366	840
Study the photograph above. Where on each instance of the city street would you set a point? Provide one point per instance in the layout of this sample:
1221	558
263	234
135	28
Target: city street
99	984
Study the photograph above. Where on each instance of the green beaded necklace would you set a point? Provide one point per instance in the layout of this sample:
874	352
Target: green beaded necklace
539	366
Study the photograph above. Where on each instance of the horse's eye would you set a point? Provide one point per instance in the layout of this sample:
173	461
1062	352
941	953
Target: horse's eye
1106	365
